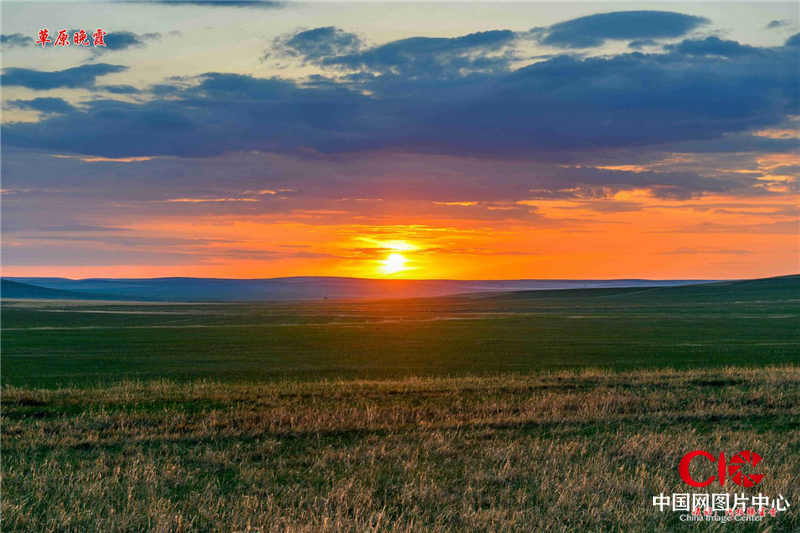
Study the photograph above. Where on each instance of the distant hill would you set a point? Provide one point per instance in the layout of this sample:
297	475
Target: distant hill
15	289
316	288
298	288
767	289
782	287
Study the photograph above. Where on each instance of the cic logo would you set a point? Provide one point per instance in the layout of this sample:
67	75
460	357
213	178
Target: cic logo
731	468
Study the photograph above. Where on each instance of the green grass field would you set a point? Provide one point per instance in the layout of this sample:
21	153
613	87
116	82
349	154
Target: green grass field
50	343
545	411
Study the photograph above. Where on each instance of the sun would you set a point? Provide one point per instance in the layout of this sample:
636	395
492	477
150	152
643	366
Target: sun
393	263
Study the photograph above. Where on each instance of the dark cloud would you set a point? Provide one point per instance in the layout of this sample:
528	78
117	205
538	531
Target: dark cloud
337	187
319	43
408	97
778	24
44	105
122	40
413	57
791	170
594	183
641	43
736	142
119	40
83	76
711	46
165	89
426	56
118	89
627	100
212	3
594	30
13	40
261	113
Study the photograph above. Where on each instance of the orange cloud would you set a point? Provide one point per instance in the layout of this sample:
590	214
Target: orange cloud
208	200
710	237
98	159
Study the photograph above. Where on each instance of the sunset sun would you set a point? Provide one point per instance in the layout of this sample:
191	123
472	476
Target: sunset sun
393	263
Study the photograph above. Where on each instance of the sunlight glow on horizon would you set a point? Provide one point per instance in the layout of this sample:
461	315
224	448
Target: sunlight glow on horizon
393	264
713	237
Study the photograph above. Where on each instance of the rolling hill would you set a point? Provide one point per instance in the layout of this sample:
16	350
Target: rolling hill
296	288
16	289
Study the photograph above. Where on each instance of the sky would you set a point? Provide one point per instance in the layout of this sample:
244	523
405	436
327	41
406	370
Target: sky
482	140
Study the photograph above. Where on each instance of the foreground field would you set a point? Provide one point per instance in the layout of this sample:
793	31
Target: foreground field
53	343
582	451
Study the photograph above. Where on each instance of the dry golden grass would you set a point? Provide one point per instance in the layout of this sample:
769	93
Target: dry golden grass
582	451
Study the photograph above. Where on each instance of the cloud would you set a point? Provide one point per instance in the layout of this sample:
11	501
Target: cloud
44	105
778	24
213	3
208	200
118	89
76	77
641	43
631	99
711	46
123	40
738	142
413	184
119	40
466	203
695	251
584	182
14	40
415	56
790	227
99	159
594	30
80	228
431	56
319	43
410	96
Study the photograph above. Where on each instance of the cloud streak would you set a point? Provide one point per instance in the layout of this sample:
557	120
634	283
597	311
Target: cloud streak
43	105
124	40
211	3
15	40
594	30
83	76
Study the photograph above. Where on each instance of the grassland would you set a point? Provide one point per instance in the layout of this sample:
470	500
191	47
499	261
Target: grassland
551	452
515	412
49	343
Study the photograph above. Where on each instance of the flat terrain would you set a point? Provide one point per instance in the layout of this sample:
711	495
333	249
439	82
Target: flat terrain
532	411
50	343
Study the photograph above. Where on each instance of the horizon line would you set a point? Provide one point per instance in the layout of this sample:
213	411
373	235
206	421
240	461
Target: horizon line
323	277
